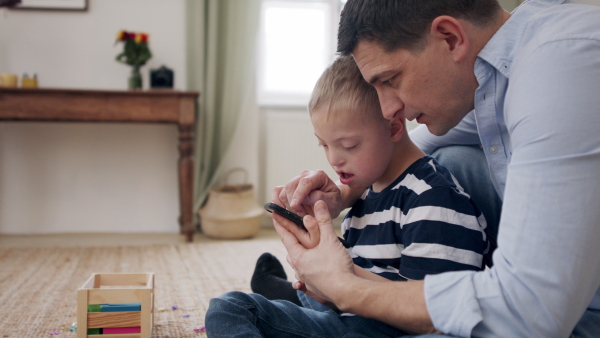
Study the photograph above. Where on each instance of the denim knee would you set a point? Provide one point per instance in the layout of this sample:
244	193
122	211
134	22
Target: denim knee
232	315
230	302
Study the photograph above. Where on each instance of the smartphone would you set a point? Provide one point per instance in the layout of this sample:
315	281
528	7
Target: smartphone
272	207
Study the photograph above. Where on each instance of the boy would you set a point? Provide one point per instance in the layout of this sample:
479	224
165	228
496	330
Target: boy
413	218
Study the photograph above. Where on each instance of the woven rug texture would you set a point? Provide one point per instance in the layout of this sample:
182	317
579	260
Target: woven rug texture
38	286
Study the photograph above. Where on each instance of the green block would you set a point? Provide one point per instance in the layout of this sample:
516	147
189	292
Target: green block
94	331
94	308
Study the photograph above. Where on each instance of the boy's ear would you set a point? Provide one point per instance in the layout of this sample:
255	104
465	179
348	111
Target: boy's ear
398	128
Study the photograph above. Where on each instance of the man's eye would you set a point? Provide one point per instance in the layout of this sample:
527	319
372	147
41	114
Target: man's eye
388	82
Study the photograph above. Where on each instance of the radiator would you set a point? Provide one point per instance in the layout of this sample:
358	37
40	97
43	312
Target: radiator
291	147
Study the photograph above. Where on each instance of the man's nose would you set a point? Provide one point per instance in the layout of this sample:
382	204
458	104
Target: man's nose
391	104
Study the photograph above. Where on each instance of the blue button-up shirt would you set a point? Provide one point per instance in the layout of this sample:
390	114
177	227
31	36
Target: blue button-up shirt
537	117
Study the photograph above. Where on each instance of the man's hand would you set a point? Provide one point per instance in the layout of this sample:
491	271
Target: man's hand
308	239
304	190
326	273
323	266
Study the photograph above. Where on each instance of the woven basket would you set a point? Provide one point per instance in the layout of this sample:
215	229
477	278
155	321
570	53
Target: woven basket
231	210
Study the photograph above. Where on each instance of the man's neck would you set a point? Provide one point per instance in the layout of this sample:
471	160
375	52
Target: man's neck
480	36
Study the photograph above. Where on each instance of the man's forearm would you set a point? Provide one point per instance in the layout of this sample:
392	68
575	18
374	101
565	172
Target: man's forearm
401	305
363	273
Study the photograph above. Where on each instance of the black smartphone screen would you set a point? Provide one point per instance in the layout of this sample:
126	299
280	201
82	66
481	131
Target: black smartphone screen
272	207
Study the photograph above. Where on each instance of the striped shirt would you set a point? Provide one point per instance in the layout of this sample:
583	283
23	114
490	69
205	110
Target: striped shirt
423	223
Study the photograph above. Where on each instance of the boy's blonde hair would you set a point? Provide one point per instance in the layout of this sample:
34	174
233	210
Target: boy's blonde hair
342	88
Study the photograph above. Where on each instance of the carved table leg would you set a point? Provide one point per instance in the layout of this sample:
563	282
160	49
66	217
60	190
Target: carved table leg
187	118
186	180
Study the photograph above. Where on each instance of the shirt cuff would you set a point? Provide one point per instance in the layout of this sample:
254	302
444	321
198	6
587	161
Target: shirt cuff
452	303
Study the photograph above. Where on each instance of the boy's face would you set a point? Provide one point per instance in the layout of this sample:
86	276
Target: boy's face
358	149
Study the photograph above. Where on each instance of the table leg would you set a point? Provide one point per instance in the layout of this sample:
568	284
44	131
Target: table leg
186	180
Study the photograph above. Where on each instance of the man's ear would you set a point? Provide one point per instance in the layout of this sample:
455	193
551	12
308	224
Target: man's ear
451	33
398	128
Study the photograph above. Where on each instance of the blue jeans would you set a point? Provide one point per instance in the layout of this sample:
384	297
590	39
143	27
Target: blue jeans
237	314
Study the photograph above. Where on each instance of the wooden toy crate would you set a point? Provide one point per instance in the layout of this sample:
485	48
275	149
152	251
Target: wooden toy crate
116	288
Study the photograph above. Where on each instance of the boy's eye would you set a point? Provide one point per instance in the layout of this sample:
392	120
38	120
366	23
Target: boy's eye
350	147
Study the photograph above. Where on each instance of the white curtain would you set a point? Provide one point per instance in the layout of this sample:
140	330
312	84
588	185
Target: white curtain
221	63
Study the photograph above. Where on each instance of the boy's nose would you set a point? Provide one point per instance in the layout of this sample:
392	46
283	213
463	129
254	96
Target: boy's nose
336	161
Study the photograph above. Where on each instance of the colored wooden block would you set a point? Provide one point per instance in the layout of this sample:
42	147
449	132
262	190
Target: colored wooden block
121	307
94	308
113	319
112	291
113	330
94	331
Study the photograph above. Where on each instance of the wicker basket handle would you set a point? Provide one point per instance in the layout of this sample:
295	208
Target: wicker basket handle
228	174
227	186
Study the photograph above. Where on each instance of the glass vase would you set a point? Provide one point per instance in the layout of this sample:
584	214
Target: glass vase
135	78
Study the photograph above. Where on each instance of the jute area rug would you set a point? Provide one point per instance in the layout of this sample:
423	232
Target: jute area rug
38	286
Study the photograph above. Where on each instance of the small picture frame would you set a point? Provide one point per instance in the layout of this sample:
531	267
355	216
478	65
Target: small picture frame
59	5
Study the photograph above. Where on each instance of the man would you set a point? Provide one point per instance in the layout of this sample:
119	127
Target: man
531	80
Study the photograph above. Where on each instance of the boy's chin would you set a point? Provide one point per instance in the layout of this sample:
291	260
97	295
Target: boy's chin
356	185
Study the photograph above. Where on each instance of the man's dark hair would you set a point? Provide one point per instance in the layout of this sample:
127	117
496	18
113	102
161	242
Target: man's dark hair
396	24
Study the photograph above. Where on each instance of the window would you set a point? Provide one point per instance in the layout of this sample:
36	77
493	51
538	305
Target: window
297	42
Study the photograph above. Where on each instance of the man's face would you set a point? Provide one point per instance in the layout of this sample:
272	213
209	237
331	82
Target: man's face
426	85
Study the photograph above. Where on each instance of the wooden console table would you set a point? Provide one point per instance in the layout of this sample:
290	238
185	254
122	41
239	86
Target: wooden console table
153	106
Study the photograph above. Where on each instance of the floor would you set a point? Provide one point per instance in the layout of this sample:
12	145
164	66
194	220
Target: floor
106	239
117	239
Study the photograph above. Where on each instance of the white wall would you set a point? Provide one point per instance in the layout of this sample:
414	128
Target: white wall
509	5
290	147
590	2
84	177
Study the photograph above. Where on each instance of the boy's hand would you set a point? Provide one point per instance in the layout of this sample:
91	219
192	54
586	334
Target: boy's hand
304	190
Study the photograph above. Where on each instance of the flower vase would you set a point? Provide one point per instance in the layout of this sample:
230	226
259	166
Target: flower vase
135	79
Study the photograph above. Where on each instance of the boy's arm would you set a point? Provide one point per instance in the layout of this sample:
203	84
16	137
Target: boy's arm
349	195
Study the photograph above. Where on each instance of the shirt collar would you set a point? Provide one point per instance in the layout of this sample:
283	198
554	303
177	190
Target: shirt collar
500	51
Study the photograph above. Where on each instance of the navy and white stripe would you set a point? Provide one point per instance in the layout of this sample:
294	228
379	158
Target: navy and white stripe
423	223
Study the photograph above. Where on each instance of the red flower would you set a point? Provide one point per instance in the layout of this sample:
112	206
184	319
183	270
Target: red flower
141	37
122	35
135	48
